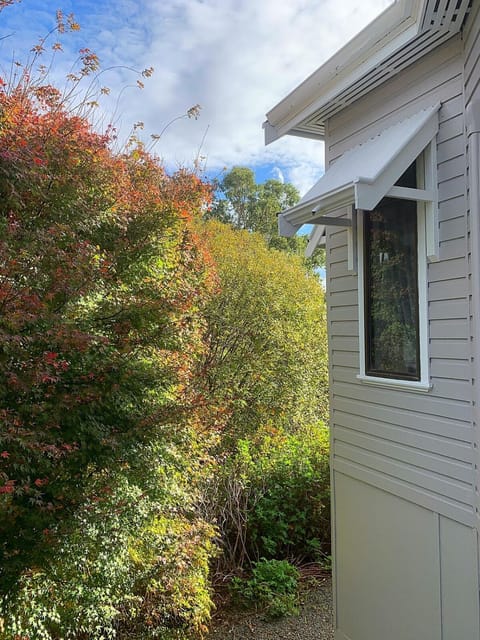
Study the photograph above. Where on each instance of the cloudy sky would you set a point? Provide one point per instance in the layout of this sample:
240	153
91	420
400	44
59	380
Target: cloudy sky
235	58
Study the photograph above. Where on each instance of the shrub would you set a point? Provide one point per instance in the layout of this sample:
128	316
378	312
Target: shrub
266	355
271	498
102	285
134	557
273	587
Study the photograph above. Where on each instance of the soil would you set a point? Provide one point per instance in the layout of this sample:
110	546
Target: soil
314	621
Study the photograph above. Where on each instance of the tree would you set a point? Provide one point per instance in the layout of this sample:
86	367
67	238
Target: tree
102	285
245	204
265	365
266	357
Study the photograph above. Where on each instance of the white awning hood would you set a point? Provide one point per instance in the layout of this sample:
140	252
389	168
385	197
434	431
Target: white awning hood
365	174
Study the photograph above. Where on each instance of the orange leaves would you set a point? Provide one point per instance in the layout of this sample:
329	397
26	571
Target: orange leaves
66	22
146	73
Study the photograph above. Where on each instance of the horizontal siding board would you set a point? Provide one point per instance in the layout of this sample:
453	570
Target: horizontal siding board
462	513
454	390
403	420
456	248
342	299
345	374
337	253
449	149
342	283
428	461
450	290
453	309
451	168
336	269
453	209
346	328
410	435
452	108
447	269
449	349
336	240
344	343
448	389
337	314
450	368
344	358
450	189
452	228
452	127
449	329
453	489
416	402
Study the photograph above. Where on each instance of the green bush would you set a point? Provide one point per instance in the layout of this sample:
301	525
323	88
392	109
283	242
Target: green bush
271	499
133	559
273	587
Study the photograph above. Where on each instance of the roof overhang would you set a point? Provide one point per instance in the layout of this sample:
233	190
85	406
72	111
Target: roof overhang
366	173
404	32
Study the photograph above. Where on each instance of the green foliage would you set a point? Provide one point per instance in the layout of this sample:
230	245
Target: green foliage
273	587
271	498
266	356
245	204
102	284
129	559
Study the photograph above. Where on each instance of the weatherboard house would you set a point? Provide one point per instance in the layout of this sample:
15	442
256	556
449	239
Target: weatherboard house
399	209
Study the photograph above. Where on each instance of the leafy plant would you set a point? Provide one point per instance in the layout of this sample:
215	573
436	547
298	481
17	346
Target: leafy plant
245	204
102	285
273	587
272	498
266	356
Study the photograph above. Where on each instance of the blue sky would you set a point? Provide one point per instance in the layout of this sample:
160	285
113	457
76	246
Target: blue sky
235	58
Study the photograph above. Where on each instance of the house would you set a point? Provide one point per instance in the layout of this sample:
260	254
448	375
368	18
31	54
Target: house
399	208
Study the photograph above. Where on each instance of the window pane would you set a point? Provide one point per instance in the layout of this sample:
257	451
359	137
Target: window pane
391	290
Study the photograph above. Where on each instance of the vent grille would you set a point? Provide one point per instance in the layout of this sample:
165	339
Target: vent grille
442	20
442	14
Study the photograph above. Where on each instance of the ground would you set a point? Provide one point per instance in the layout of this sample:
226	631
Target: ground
313	623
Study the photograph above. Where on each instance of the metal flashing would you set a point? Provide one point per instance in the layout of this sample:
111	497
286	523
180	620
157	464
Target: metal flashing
367	173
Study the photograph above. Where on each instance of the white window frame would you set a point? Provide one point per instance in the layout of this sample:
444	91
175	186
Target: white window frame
423	250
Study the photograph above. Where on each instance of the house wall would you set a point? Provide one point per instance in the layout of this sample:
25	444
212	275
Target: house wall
403	462
472	104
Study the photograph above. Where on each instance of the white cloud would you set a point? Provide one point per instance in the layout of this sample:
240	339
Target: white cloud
277	174
236	58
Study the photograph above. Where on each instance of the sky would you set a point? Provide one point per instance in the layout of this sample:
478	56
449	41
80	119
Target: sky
234	58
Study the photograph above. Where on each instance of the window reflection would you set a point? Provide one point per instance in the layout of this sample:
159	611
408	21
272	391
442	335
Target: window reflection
391	290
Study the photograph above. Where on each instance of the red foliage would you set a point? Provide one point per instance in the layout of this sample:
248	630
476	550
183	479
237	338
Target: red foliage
101	286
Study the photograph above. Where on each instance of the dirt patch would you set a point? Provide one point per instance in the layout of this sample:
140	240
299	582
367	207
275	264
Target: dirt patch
314	621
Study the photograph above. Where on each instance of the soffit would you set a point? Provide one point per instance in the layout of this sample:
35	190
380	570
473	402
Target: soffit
405	32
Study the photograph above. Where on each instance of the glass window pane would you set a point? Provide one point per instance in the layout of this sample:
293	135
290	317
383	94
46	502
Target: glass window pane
391	290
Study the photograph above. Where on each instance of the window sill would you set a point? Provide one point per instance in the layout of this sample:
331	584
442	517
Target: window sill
399	385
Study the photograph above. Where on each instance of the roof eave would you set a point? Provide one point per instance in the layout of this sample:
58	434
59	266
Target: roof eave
391	30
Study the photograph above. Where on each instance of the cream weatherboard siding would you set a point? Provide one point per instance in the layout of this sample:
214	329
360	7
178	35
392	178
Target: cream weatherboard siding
405	457
403	462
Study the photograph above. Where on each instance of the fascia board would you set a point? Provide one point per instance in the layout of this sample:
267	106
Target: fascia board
390	31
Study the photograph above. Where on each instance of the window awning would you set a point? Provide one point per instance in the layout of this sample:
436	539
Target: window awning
365	174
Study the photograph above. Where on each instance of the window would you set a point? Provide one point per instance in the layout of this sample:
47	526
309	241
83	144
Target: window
393	290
